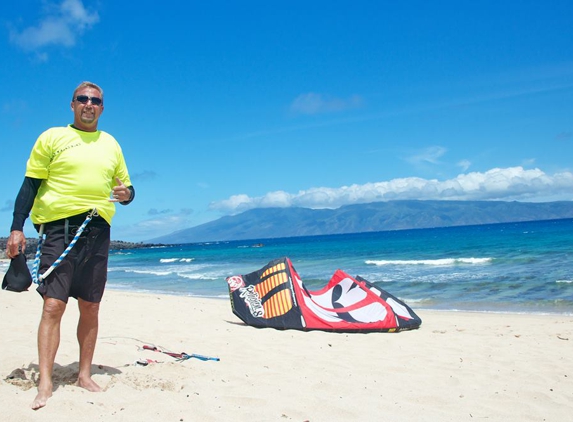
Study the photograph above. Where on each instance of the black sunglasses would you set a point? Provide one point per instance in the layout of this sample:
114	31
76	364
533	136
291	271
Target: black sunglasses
84	100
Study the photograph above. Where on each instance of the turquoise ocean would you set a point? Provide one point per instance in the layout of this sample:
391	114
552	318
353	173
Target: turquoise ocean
524	267
512	267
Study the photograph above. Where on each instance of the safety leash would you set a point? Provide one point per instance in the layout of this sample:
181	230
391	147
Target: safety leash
37	278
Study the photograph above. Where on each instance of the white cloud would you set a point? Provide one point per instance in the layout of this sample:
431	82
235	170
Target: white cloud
313	103
60	26
513	183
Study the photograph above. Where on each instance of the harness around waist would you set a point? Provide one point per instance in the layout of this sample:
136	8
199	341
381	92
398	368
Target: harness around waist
70	226
77	220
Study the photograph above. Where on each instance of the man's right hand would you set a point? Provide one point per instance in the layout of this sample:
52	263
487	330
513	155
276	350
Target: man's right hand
16	244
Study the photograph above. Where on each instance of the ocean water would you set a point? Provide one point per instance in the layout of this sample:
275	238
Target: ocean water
517	267
513	267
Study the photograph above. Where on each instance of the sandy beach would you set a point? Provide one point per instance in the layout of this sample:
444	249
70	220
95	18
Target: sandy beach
456	367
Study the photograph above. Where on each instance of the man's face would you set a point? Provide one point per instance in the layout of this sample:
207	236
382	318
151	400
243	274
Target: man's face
86	113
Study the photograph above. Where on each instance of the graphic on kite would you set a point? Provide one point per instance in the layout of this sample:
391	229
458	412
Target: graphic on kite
276	297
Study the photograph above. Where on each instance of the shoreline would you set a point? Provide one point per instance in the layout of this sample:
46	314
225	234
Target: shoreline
224	296
458	366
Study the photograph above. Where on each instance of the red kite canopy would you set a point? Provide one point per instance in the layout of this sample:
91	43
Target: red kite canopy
276	297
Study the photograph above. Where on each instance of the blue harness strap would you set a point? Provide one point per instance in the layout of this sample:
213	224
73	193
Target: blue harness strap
37	278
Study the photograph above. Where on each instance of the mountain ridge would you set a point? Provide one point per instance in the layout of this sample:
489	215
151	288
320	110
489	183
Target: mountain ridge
262	223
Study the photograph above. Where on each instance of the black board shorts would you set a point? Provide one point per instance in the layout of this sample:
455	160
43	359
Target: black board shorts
83	272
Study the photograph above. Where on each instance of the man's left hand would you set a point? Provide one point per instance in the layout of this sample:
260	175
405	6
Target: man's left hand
120	192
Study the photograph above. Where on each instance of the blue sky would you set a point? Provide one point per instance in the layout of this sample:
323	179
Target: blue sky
223	106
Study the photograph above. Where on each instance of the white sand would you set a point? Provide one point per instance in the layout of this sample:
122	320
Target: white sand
456	367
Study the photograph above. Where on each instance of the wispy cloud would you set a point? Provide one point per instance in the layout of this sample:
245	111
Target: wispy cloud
313	103
464	164
514	183
155	211
144	175
430	155
61	25
8	206
161	222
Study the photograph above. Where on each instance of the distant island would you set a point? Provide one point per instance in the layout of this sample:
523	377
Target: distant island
264	223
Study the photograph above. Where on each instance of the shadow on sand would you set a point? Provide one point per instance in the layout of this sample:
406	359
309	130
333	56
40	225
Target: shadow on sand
27	378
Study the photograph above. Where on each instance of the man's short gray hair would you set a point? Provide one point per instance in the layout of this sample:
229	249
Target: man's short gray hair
88	85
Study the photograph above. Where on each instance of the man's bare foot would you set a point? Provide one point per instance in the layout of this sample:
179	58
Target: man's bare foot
44	393
89	384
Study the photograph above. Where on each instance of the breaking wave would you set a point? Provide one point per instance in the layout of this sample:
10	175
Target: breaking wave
170	260
434	262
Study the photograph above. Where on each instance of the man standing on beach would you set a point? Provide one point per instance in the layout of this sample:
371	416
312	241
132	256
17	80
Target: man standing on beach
70	173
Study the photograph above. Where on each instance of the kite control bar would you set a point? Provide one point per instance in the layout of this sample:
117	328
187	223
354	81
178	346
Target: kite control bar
180	356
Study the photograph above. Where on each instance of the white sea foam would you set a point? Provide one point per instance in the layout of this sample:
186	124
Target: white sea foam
564	281
170	260
435	262
412	300
197	276
151	272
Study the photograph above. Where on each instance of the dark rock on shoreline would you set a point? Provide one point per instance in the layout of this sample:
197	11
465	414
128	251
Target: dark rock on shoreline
32	243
